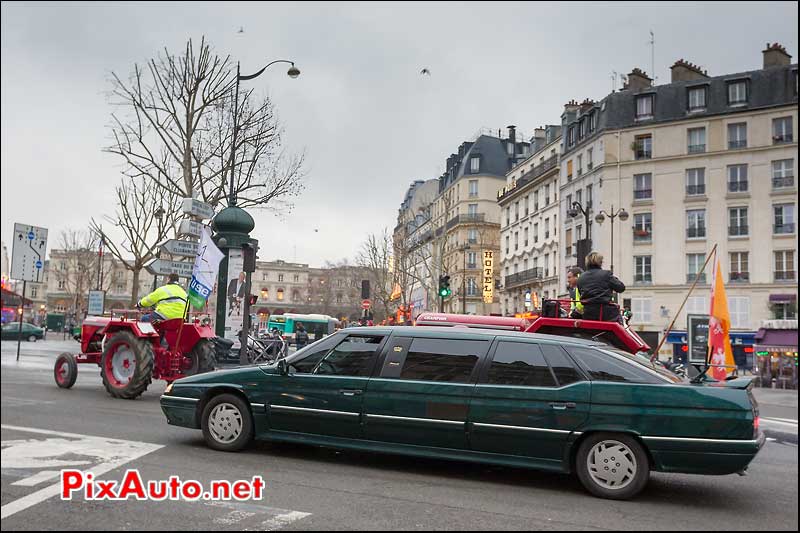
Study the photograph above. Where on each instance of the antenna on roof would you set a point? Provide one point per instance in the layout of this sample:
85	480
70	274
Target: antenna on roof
613	81
653	56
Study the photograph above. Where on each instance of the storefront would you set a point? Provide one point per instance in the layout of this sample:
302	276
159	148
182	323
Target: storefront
776	354
742	343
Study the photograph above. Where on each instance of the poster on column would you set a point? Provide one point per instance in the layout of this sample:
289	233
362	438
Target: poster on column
234	305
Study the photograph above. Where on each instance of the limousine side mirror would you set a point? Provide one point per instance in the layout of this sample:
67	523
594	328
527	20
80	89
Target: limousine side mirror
283	367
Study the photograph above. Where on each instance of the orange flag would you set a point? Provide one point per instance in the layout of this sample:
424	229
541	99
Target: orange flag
719	325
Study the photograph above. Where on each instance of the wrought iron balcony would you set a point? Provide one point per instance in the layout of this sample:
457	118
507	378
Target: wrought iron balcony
526	276
783	182
701	278
740	277
695	190
783	229
738	231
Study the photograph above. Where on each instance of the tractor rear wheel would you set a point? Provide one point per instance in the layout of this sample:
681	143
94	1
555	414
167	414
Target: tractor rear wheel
127	365
203	358
65	370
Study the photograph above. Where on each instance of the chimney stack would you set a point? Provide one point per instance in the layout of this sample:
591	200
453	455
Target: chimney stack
512	134
571	106
638	80
538	133
776	55
683	70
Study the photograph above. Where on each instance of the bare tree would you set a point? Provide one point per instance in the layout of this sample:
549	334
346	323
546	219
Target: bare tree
375	259
76	265
175	128
145	216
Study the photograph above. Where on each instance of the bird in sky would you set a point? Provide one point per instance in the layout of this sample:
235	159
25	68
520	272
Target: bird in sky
425	72
241	29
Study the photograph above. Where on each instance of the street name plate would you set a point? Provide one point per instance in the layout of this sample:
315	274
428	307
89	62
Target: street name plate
184	248
163	267
190	227
190	206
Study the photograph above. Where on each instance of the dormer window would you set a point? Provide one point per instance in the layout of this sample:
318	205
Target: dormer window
737	92
475	164
644	106
592	121
697	98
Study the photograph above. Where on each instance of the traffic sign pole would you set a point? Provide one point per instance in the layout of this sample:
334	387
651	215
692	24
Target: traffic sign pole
22	311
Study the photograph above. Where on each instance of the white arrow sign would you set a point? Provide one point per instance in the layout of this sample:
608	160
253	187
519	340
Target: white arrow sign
176	247
197	208
28	252
161	267
190	227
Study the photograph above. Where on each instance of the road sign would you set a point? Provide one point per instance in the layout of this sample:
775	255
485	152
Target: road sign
163	267
28	253
365	304
697	331
190	227
184	248
96	303
190	206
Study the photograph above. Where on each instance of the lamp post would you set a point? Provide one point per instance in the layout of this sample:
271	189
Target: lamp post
159	214
601	216
464	282
293	73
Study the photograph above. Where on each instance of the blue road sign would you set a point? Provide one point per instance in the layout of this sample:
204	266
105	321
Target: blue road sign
30	235
38	264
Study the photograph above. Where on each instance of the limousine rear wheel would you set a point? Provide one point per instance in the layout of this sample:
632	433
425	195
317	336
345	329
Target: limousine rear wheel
227	423
612	466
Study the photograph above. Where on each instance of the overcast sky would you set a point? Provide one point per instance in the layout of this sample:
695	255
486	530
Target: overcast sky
368	121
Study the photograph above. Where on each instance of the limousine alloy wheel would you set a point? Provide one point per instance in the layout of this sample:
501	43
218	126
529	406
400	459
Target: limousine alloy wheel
612	466
227	423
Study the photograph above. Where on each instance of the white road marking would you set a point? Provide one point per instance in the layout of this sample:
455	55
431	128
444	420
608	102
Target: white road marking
74	449
13	400
282	520
784	420
240	510
39	477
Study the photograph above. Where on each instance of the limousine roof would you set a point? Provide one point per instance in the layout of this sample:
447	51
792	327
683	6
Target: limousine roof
456	332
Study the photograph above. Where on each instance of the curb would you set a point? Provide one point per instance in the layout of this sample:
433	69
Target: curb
780	431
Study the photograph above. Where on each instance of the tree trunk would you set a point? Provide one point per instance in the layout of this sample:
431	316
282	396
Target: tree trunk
135	288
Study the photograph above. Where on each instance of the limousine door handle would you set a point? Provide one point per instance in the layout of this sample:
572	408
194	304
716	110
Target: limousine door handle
351	392
562	405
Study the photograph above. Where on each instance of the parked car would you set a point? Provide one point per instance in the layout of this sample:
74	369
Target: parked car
29	332
508	398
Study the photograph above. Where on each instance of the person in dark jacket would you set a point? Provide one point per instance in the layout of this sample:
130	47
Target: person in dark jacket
300	336
597	287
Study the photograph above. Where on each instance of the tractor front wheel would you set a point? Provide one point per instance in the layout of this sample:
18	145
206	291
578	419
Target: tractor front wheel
127	365
203	358
65	370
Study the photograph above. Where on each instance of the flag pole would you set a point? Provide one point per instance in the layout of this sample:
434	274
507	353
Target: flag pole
180	329
696	279
713	287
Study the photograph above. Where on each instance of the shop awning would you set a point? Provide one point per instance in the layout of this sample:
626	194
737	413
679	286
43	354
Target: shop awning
776	340
782	298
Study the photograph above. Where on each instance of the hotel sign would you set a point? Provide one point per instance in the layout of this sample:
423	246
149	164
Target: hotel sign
488	276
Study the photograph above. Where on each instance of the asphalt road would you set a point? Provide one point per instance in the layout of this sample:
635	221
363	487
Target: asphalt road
312	488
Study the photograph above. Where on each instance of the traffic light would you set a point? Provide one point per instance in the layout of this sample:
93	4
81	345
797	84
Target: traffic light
444	286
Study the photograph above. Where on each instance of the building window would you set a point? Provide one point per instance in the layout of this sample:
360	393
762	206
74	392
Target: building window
738	222
782	130
590	158
472	236
526	238
120	288
62	285
784	219
643	147
739	311
642	309
475	164
580	165
737	178
264	276
579	196
473	188
697	98
697	140
696	224
644	106
296	295
536	233
280	277
472	211
739	267
695	181
694	262
737	92
642	227
472	259
546	265
593	119
547	228
508	244
568	242
516	240
784	265
34	292
280	294
265	293
571	136
737	135
547	195
642	186
588	197
642	269
472	287
516	211
783	173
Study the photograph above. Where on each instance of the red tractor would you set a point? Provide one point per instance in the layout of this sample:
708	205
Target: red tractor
131	353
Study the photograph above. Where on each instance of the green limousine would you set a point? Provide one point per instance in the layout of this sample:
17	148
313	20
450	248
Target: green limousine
516	399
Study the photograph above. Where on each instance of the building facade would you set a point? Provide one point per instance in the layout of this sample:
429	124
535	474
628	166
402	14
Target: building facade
699	163
281	287
529	259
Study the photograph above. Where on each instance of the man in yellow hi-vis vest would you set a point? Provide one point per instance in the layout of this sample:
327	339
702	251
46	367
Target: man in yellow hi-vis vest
168	301
576	307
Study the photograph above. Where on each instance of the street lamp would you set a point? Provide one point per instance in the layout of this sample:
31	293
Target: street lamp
464	282
601	216
293	73
574	210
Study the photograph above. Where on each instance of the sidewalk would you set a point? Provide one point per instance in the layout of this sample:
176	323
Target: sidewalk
778	412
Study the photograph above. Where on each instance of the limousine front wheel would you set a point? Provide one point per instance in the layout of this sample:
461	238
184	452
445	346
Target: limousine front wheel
612	466
227	424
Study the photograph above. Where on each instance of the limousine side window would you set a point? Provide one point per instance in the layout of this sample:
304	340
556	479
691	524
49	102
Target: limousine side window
519	363
563	367
442	360
313	354
355	356
605	367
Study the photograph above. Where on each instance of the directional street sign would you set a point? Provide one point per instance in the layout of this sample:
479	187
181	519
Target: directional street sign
190	227
28	253
183	248
190	206
162	267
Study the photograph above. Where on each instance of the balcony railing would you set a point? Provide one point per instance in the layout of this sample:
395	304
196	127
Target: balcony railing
783	182
643	194
532	174
466	219
701	278
738	231
781	229
642	235
697	148
733	145
785	275
525	276
696	233
740	277
695	190
643	278
737	186
780	139
641	153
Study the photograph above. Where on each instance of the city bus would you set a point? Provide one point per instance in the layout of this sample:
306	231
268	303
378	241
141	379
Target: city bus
317	326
